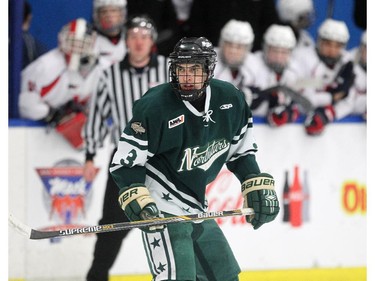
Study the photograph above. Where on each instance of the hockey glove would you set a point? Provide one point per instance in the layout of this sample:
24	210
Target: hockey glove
258	97
342	83
138	204
316	122
282	114
259	193
56	115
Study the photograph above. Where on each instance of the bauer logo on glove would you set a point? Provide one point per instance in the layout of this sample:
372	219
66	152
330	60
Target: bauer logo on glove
138	204
258	182
259	193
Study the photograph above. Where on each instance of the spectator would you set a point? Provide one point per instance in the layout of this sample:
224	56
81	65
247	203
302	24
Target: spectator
57	86
109	17
271	68
207	17
118	87
233	65
32	48
331	70
164	16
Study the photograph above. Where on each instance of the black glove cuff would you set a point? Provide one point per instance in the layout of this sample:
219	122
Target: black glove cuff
90	156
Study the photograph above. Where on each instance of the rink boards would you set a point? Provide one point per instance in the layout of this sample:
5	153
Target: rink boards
324	234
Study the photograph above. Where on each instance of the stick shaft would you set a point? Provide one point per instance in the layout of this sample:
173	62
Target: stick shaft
296	97
38	234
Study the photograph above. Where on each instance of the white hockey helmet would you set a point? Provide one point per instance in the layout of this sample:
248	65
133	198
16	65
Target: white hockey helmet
76	40
104	3
281	36
334	30
278	43
292	10
97	4
239	32
236	40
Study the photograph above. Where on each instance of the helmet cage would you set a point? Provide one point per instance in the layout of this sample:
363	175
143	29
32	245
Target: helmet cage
282	38
76	42
277	67
192	51
193	94
72	45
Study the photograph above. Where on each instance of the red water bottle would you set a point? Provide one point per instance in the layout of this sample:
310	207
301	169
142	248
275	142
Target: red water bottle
296	199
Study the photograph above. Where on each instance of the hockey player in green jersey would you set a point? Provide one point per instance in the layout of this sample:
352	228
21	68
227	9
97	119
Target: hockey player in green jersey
181	134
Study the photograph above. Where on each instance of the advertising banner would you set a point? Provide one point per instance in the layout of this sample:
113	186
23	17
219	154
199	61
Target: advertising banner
320	182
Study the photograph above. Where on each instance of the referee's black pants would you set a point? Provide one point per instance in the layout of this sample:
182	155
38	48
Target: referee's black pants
108	244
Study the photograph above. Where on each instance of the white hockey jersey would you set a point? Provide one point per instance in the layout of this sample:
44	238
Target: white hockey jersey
47	82
356	102
318	77
263	77
360	91
110	52
223	72
305	44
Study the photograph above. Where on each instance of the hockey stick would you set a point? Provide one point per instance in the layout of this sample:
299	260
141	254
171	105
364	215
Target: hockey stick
39	234
330	9
295	96
298	98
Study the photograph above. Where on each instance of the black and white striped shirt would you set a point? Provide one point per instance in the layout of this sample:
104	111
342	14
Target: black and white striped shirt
117	89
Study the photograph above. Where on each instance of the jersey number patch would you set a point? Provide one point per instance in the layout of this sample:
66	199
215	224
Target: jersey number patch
129	160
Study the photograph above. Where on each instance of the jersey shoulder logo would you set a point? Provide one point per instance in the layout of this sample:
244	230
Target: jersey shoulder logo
176	121
226	106
137	128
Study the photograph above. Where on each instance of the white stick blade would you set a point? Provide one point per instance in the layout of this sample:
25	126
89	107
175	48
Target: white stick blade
19	226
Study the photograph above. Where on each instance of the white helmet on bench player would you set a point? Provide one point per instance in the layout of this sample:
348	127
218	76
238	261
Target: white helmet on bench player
280	36
278	43
333	35
111	26
239	32
236	40
334	30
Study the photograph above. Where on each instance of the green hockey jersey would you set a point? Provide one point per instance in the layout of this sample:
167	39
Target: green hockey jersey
176	151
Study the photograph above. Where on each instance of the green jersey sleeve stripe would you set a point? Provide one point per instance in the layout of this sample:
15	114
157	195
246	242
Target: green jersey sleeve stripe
236	156
126	137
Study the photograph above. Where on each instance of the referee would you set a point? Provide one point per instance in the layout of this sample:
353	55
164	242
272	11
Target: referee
118	87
